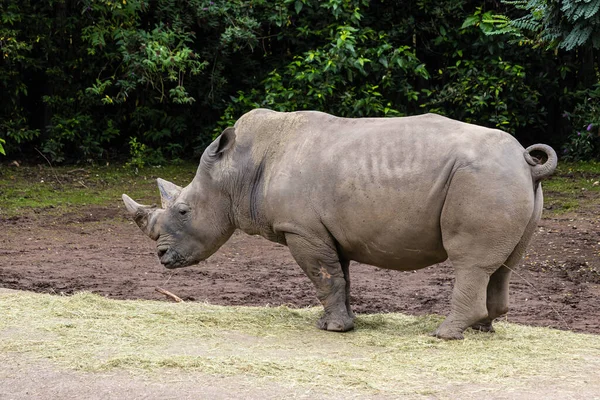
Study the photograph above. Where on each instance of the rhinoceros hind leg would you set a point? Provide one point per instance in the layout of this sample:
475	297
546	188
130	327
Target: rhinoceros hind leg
497	290
497	299
479	237
468	304
321	263
497	293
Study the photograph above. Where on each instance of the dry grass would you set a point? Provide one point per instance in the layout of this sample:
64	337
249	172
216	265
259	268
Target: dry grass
388	354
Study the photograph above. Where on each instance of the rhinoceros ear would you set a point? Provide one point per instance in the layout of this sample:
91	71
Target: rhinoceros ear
221	144
168	192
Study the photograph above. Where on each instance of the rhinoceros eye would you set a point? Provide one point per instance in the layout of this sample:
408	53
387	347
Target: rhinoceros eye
183	209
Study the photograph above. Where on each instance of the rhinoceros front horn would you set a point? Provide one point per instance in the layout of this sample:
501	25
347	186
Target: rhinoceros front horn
144	216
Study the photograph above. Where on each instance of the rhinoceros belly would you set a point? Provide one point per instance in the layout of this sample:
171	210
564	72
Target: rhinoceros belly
393	236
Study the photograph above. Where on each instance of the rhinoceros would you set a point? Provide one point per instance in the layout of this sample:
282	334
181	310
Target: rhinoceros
398	193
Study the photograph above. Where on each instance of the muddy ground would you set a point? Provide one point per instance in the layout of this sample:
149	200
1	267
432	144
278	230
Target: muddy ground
99	250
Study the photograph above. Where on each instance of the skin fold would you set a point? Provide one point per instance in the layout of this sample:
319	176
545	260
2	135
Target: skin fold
397	193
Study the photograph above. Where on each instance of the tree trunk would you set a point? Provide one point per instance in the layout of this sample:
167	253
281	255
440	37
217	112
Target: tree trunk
587	73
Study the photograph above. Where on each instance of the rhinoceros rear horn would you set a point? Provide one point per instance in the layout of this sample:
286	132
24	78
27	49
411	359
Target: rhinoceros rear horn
168	192
144	216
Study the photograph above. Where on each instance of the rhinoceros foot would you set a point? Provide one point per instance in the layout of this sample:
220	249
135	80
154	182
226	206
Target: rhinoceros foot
483	326
447	334
336	323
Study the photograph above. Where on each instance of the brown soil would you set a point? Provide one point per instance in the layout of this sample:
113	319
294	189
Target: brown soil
100	250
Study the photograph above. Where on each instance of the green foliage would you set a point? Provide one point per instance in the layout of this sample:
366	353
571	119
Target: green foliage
354	71
568	24
490	23
79	95
82	79
160	59
574	24
16	54
582	145
138	153
482	80
486	91
584	142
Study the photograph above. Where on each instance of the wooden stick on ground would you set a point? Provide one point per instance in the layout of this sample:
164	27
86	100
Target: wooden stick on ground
169	294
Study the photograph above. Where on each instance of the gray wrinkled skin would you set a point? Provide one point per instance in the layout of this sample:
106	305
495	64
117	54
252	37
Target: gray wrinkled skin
397	193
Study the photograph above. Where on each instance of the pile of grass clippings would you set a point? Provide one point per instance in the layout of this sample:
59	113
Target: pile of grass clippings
387	353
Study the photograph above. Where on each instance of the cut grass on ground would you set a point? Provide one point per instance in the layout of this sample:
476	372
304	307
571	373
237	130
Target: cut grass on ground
387	354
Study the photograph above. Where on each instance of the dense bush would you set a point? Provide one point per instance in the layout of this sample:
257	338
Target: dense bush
584	141
150	80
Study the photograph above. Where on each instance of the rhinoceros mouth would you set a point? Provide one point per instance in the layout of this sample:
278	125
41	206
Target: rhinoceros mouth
170	265
172	259
175	264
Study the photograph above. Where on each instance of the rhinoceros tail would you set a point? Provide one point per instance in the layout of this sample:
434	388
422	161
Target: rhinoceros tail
541	170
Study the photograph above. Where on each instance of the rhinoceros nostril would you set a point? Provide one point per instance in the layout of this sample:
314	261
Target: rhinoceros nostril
161	251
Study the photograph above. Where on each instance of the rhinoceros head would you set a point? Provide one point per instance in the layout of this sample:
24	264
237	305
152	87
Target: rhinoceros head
193	222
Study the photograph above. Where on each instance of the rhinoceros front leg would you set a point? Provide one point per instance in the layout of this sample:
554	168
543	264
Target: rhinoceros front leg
321	263
346	270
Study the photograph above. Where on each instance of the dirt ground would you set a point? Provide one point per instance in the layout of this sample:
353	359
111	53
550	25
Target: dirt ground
99	250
